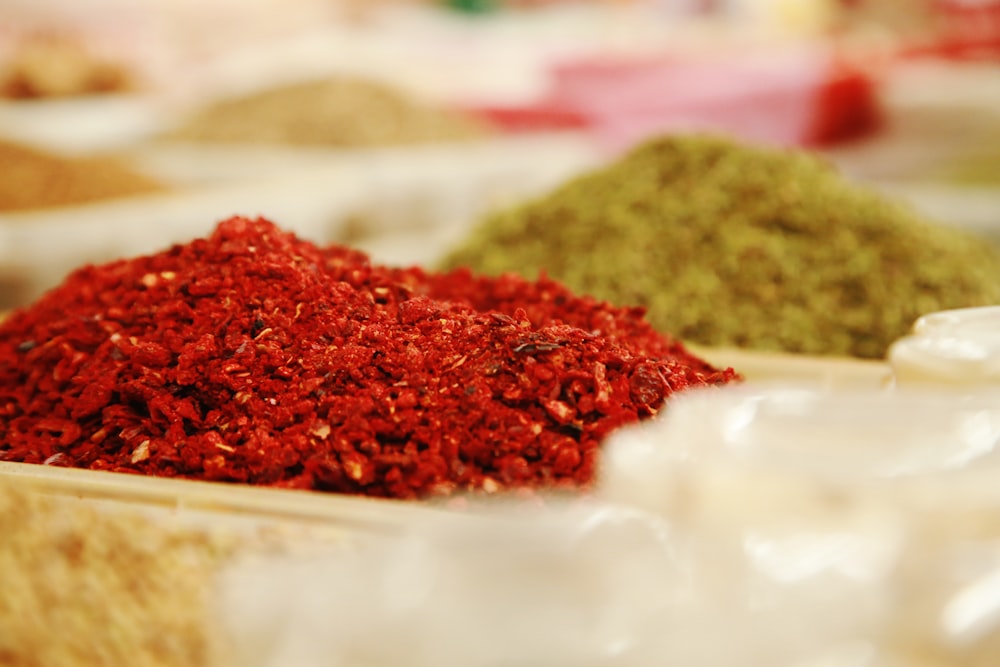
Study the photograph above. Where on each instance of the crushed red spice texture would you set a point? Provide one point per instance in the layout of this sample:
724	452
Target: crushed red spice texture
252	356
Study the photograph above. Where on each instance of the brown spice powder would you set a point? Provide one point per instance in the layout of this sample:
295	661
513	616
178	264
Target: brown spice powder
55	65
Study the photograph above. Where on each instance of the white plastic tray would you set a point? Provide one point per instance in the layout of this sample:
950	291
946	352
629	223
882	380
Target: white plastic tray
83	124
209	499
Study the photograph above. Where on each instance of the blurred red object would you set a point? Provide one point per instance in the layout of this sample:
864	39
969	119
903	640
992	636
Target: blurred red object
532	118
808	98
847	108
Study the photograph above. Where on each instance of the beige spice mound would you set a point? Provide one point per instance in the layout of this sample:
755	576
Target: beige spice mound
37	179
337	111
83	587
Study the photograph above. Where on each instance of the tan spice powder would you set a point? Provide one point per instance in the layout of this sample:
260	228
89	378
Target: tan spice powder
84	588
37	179
733	245
336	112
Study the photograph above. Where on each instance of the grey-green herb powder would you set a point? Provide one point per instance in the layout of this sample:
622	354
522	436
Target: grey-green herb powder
732	245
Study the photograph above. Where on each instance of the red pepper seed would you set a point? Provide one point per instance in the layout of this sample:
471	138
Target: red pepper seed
559	411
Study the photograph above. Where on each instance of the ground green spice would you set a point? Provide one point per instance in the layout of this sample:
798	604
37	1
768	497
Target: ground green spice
335	111
732	245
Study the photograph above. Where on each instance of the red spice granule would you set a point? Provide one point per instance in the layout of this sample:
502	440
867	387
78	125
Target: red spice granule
252	356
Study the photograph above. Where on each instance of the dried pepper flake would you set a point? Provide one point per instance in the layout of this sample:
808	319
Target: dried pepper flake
254	357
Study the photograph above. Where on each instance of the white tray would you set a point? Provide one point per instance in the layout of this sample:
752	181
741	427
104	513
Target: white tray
216	502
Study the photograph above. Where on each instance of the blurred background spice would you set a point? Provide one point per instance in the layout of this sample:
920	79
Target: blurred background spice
978	168
733	245
52	65
340	111
35	178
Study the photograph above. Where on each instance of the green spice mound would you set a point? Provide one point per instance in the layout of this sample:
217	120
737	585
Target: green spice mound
731	245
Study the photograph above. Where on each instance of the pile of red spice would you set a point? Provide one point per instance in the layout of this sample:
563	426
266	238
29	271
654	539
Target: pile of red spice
252	356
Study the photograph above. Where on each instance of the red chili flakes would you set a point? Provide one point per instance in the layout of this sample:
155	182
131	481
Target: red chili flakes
251	356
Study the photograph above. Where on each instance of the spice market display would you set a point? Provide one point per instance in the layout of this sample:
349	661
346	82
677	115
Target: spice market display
36	179
597	429
252	356
731	245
